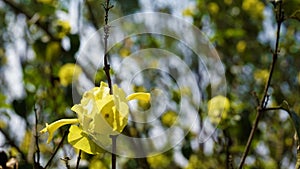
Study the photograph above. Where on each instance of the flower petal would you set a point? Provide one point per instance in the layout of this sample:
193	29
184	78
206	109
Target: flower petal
78	139
140	96
55	125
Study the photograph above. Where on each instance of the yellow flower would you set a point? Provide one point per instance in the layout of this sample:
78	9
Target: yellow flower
57	124
68	72
218	107
100	115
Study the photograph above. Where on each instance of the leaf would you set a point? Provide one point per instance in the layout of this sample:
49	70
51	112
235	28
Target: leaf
78	139
296	15
296	122
285	105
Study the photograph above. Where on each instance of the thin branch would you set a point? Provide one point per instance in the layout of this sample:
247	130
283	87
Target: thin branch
18	9
37	153
114	149
264	100
57	148
228	144
106	68
66	160
274	108
78	159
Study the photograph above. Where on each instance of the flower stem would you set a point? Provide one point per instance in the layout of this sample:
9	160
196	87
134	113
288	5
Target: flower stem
106	68
113	151
78	159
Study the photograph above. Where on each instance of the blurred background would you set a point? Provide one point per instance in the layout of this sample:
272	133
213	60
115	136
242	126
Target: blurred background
41	44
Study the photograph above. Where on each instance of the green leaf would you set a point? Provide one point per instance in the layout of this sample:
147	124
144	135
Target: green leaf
296	122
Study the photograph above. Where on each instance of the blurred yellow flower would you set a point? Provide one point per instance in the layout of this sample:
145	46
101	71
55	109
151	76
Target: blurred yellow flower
53	51
69	72
261	75
213	8
194	162
62	28
228	2
169	118
241	46
124	52
218	108
97	164
189	11
160	161
100	115
254	7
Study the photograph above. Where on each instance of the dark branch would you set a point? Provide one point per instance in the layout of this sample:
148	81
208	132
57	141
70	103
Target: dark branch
78	159
57	148
106	68
265	98
37	153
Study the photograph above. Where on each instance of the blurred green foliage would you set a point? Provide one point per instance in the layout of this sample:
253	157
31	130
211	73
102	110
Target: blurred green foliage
242	31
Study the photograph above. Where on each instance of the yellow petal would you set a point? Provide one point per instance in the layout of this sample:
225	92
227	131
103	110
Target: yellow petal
120	117
140	96
55	125
78	139
105	104
119	93
102	91
77	108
